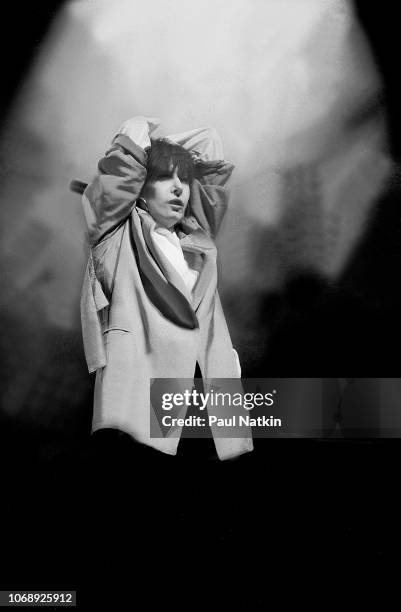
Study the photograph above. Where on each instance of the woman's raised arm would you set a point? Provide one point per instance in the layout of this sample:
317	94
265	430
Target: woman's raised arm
209	192
111	196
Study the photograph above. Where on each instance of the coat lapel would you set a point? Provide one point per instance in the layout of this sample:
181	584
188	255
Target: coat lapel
164	277
199	242
165	294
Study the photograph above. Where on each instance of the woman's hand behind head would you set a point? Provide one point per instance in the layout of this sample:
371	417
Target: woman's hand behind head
220	169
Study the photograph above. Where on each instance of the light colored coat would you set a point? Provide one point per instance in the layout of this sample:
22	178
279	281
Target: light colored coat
139	321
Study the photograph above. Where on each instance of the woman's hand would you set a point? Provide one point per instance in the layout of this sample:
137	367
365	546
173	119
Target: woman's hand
139	129
213	166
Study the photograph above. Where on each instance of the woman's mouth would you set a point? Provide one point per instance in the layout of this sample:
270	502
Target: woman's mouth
176	205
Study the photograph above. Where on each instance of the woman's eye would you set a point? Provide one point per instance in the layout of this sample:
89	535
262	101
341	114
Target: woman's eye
168	177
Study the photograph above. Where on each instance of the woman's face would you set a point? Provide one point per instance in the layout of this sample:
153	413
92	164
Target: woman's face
167	199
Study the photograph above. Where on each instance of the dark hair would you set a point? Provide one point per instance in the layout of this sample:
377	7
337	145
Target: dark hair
164	157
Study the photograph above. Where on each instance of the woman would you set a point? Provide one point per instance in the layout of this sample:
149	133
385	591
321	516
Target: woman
150	306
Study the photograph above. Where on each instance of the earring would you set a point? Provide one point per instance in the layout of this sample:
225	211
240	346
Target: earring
144	204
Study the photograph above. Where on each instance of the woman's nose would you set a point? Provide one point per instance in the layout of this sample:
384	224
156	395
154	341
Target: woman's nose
177	185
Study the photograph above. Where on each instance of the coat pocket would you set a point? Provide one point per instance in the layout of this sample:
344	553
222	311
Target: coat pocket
117	328
120	348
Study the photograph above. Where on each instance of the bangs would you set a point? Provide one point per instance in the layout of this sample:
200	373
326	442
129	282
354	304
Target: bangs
164	157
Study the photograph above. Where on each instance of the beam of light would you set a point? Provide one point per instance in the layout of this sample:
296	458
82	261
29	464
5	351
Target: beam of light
280	80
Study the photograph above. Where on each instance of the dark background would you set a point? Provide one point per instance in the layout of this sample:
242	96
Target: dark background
126	521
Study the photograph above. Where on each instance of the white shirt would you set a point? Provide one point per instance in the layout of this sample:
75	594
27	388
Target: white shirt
170	245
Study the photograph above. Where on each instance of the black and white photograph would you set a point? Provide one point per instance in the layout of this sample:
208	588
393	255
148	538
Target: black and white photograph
200	242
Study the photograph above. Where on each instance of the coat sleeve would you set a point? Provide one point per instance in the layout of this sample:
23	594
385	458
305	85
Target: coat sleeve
209	192
109	199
